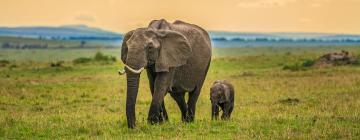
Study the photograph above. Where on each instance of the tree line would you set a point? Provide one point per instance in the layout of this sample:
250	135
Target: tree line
309	40
81	45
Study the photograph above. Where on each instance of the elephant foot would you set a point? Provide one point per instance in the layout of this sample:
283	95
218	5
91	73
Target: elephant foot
155	119
131	125
214	118
225	117
166	118
187	118
190	119
163	116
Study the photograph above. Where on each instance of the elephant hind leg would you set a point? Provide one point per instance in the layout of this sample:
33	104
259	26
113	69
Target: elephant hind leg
193	97
180	100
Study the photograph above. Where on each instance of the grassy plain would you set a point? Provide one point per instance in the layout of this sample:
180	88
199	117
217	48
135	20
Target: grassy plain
52	44
88	100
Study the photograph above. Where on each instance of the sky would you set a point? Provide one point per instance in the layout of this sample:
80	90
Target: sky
326	16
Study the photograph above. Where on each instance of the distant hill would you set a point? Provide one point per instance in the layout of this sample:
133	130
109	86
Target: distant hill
241	39
219	38
285	35
68	32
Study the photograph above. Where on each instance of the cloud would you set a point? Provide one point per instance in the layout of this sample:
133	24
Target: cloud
264	3
85	17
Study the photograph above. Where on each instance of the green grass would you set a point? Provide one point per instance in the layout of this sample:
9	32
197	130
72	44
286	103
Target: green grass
88	100
71	53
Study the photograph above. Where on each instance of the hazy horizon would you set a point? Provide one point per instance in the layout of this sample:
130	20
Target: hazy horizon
286	32
264	16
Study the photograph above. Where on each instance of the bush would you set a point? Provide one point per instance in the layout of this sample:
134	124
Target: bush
308	63
294	67
57	64
4	63
82	60
300	66
101	57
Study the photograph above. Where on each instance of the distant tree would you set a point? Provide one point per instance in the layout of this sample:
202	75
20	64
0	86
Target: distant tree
6	45
261	39
219	39
238	39
82	44
61	47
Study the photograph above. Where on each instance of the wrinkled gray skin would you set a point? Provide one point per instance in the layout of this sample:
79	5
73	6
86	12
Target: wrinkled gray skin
176	57
222	95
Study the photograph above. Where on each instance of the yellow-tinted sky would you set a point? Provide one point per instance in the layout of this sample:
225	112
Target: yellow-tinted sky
336	16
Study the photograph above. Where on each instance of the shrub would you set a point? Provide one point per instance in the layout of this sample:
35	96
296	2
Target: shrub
308	63
294	67
13	66
300	66
4	63
57	64
101	57
82	60
290	101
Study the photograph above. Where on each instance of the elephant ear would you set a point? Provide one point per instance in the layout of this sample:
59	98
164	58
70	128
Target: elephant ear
226	96
124	47
174	50
159	24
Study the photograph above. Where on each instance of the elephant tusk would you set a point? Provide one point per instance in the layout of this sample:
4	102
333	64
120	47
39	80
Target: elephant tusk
133	70
121	72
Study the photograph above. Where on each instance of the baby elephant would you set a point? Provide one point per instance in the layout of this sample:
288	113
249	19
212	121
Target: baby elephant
222	94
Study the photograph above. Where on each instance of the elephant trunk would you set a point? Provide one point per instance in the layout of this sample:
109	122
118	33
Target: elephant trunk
131	94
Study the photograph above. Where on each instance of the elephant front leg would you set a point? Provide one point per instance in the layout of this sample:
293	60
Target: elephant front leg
161	85
151	76
164	112
214	111
227	109
155	113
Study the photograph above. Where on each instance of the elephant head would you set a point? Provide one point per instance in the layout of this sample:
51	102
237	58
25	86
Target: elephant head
145	47
219	93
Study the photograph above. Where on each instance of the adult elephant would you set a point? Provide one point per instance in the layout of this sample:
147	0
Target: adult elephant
176	57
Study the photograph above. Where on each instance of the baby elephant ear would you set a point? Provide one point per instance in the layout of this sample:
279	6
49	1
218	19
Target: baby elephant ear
226	96
174	50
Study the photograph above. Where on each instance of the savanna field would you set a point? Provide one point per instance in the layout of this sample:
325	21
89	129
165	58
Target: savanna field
46	94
